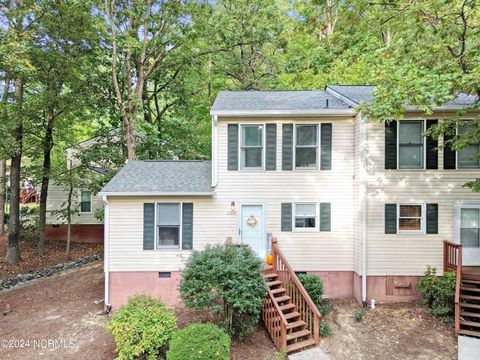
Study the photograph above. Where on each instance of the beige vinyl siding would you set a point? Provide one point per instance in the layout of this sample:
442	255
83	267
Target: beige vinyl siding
402	254
212	223
57	197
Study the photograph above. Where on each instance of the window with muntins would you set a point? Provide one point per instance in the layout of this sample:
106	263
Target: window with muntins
306	146
410	218
168	224
251	147
470	227
305	216
85	201
411	144
467	158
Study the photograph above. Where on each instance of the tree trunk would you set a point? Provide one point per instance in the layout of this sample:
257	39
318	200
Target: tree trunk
3	173
69	210
13	250
47	165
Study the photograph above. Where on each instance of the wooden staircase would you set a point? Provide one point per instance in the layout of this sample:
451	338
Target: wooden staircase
467	291
290	316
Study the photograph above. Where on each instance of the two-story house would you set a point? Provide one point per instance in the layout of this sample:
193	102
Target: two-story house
365	205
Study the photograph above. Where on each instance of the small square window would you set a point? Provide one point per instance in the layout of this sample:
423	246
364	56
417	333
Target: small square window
306	216
168	225
410	218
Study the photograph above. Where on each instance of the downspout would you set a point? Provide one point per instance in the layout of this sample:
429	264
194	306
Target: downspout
363	204
214	150
106	222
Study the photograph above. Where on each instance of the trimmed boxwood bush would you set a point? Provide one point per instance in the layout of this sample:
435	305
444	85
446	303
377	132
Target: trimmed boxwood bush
141	327
199	342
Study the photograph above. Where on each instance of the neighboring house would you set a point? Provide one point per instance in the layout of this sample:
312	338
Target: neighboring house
362	204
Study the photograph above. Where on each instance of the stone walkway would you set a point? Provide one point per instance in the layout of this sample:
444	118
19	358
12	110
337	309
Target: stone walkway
310	354
468	348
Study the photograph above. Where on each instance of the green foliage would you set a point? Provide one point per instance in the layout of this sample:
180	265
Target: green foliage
29	222
359	315
325	309
141	327
314	286
230	276
438	293
199	342
282	355
325	329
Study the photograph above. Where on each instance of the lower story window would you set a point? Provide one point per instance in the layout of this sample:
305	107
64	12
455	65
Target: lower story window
86	201
306	216
470	226
410	217
168	225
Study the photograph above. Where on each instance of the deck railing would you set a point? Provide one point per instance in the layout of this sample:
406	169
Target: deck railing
275	322
299	296
452	261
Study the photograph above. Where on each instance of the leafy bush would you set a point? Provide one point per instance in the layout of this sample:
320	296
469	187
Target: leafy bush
142	327
325	309
28	222
199	342
438	293
358	315
325	329
226	277
314	286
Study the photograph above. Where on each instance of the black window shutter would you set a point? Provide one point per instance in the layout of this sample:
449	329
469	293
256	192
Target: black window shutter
286	217
287	147
187	226
449	155
325	217
432	145
391	145
432	218
271	147
326	147
148	226
232	146
390	218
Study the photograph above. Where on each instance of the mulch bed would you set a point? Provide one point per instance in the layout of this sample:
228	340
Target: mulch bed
54	254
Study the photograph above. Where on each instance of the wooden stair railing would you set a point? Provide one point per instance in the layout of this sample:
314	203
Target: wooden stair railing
452	261
299	302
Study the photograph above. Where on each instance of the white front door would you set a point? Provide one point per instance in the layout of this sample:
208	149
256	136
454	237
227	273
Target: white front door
468	233
252	228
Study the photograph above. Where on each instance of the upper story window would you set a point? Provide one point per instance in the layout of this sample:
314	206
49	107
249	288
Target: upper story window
306	146
251	154
168	225
467	158
411	144
85	201
306	216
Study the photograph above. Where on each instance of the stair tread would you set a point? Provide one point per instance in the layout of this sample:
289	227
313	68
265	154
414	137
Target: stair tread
274	283
468	288
278	291
270	275
469	297
291	315
297	323
471	314
301	345
298	334
475	306
287	307
468	332
470	323
471	281
282	298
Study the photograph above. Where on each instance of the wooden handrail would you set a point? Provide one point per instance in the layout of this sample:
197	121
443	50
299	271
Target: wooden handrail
275	321
452	261
299	296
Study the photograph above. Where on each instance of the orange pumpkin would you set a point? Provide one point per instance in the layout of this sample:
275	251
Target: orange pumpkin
269	259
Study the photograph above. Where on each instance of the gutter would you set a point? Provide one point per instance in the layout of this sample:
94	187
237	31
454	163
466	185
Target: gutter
106	222
214	151
148	193
363	204
307	112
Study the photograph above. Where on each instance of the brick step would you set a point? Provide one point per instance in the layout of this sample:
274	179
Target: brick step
300	345
297	334
282	298
292	315
469	332
289	307
470	323
470	314
468	305
469	297
278	291
297	323
274	283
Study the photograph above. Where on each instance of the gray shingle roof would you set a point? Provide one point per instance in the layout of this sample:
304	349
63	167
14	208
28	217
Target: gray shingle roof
161	177
276	100
364	93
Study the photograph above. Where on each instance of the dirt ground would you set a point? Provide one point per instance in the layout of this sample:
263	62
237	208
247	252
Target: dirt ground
394	331
54	254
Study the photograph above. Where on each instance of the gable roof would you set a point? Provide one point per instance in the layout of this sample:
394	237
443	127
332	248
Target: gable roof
278	102
166	178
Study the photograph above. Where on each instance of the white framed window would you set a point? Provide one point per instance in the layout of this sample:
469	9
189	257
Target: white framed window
305	216
467	158
306	139
168	225
252	146
468	220
411	218
411	144
85	202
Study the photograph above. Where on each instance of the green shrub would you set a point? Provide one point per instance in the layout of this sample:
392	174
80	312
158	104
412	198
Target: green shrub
226	278
314	286
199	342
325	329
142	327
438	293
325	309
358	315
28	222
